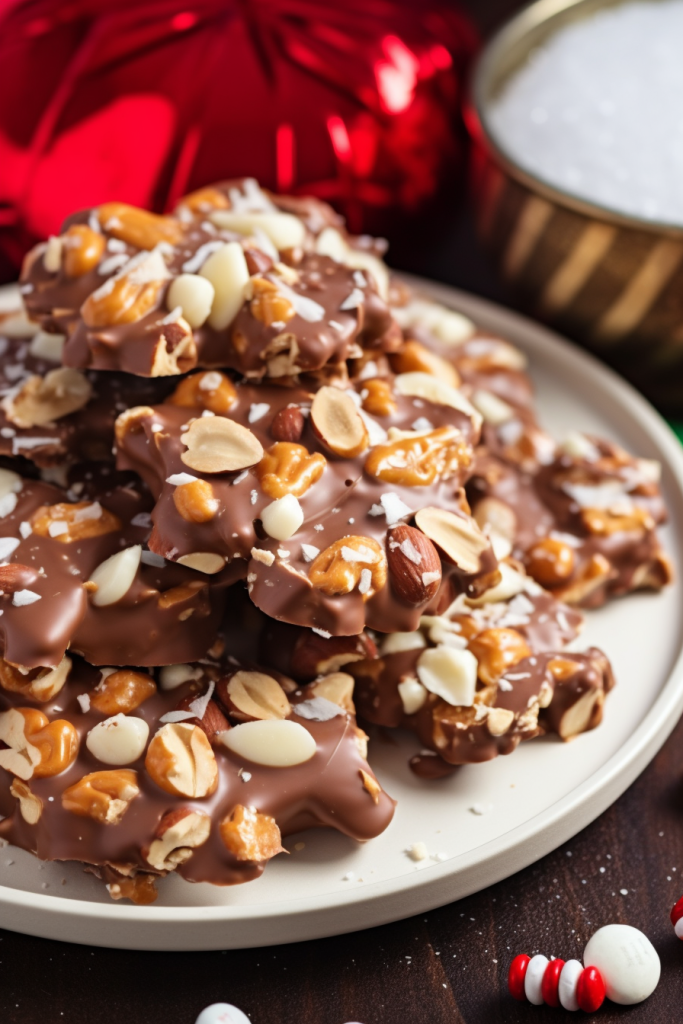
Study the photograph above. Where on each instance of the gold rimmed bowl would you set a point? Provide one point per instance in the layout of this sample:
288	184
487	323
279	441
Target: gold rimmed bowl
612	281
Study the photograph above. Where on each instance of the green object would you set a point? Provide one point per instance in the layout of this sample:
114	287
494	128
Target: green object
677	427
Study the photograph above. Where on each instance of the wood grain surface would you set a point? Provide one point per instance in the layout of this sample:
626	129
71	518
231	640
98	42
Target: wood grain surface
445	967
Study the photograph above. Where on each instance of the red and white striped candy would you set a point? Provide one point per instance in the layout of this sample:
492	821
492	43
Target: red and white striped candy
677	918
538	980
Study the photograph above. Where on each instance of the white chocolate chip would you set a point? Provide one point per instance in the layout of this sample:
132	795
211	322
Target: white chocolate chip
449	673
412	694
283	517
118	740
194	294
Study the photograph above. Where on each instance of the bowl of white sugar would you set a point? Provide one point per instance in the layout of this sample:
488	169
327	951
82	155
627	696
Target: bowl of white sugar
576	113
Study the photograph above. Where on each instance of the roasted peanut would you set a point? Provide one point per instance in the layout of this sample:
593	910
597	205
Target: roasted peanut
289	469
413	355
497	650
129	295
195	501
378	398
68	523
211	390
138	227
348	563
550	562
268	305
180	760
179	832
41	400
36	746
103	796
218	445
371	785
336	420
419	460
139	889
122	692
83	249
602	522
41	684
250	696
205	199
250	836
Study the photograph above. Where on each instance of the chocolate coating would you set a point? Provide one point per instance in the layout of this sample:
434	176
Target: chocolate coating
345	501
328	332
87	433
170	613
598	515
325	791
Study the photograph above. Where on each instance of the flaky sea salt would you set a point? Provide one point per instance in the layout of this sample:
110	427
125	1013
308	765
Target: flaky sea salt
596	110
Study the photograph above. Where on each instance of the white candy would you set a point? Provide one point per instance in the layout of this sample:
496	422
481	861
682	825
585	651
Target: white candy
222	1013
118	740
566	989
533	979
627	961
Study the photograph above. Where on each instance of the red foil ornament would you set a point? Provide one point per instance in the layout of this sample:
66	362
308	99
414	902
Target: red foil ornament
144	100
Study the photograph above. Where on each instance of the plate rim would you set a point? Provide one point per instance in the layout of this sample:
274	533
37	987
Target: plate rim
381	902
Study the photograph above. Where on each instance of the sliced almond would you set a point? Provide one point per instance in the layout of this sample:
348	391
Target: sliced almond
219	445
338	423
114	577
257	695
227	271
283	229
425	385
459	538
46	346
203	561
511	583
44	399
194	295
276	744
21	757
30	805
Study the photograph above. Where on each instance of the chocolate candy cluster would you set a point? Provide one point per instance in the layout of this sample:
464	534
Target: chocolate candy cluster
250	484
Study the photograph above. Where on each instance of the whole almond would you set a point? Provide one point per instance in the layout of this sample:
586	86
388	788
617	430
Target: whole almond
288	424
414	565
16	577
213	720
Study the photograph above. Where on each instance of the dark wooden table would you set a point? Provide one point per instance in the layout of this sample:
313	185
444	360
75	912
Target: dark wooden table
445	967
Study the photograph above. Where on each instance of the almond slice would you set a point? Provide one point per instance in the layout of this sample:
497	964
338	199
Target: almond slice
425	385
114	577
277	743
460	539
338	423
449	673
283	229
194	294
219	445
227	271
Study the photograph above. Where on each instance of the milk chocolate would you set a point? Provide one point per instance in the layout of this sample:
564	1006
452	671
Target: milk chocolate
114	309
58	820
416	455
584	524
35	421
54	540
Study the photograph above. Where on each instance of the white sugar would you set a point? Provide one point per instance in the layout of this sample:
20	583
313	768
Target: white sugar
597	111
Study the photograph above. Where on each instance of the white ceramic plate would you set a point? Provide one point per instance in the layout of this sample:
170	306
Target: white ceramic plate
535	800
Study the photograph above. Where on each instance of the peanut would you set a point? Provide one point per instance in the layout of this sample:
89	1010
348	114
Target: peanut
122	692
289	469
138	227
497	650
250	836
419	460
348	563
83	249
103	796
195	501
213	391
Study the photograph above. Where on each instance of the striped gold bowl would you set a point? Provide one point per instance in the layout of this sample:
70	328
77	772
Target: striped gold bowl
612	282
